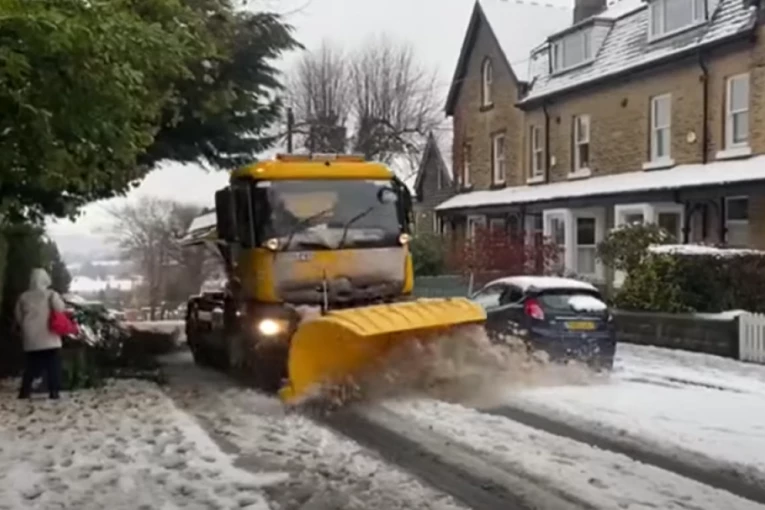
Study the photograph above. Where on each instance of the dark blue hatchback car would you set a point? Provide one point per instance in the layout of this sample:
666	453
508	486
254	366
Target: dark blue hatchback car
563	317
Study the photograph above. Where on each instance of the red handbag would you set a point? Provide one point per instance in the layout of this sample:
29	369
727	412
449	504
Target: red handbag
60	323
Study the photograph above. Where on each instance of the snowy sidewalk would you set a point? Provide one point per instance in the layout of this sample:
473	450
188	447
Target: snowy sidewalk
703	410
125	446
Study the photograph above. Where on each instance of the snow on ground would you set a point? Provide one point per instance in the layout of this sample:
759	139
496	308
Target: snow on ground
125	446
603	479
325	469
696	407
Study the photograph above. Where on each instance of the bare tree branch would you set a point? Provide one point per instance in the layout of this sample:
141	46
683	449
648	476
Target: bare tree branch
377	101
320	100
147	233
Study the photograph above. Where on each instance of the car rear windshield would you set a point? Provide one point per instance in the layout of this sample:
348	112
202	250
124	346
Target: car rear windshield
572	301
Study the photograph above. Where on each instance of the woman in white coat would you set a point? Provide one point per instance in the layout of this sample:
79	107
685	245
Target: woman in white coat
42	347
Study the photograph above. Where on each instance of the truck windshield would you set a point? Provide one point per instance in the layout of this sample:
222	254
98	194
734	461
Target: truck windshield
328	214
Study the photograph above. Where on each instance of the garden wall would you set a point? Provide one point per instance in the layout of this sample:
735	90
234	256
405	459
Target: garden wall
698	333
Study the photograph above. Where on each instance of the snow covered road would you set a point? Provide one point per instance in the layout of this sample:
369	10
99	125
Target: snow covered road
326	470
705	411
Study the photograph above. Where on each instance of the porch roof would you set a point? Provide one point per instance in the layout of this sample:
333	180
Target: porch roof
678	177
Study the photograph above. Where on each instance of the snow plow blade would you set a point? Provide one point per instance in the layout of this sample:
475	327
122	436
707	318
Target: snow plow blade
342	344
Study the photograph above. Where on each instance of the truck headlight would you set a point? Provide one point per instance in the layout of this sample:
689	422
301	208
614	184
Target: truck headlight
270	327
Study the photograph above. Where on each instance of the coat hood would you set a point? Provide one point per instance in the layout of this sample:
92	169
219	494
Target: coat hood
39	280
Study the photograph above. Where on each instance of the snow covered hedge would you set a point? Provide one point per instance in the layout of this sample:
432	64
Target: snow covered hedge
695	278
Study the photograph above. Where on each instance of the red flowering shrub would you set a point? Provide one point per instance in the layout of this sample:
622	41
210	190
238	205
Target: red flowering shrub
493	253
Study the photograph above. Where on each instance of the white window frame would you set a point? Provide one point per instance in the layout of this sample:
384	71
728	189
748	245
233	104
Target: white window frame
577	169
597	218
563	215
498	161
473	222
558	50
729	222
437	224
467	151
537	152
658	161
659	8
730	113
487	79
669	208
623	210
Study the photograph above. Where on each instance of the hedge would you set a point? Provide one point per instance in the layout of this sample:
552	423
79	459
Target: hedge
695	278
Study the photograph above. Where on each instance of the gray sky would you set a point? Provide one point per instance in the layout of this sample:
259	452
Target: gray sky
435	28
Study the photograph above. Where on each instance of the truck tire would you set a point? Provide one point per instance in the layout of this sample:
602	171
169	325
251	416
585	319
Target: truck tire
193	336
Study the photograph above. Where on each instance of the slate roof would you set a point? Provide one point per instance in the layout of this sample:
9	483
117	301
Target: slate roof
442	143
626	45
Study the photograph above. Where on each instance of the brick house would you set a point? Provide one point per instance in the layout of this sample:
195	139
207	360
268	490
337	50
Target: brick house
644	111
433	183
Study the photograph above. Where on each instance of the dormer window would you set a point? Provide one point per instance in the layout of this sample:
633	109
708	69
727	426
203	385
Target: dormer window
670	16
487	77
571	50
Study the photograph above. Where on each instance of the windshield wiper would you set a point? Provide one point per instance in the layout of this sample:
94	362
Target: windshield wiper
304	222
352	221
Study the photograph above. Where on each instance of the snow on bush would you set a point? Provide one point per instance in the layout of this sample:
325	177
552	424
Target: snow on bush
123	447
695	278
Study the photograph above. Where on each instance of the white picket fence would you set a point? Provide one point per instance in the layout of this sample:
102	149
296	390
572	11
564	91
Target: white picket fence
751	337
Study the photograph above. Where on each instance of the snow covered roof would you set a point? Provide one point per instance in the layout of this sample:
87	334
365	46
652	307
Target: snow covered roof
626	45
202	227
519	26
682	176
445	139
544	282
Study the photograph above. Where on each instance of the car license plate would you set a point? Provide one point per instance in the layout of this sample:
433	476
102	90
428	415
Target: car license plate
581	325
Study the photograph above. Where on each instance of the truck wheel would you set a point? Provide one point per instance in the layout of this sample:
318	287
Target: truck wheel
192	338
267	366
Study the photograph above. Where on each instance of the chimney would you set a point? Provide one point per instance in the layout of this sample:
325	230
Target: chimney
584	9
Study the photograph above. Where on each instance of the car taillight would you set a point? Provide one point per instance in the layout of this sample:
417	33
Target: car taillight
533	310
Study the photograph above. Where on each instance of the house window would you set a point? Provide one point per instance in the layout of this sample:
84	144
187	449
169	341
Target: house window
534	229
585	245
497	224
672	223
474	224
498	162
487	77
670	16
466	155
661	125
437	228
581	144
737	112
571	50
537	154
737	221
555	230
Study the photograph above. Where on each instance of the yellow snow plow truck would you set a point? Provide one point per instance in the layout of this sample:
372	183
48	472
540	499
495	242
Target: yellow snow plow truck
319	275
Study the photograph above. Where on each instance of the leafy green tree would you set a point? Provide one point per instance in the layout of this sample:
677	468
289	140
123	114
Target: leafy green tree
428	255
95	94
625	247
59	274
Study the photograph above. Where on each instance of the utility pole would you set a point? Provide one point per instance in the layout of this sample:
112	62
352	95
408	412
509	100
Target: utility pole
290	128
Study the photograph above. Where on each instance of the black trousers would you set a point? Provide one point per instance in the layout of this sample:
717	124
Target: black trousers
46	362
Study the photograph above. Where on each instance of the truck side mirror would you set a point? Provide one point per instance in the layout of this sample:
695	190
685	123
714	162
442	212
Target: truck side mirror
224	215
